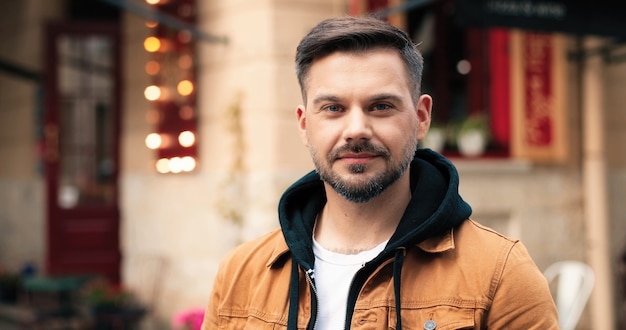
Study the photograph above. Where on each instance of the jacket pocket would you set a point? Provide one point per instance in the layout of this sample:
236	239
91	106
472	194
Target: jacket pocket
235	320
442	317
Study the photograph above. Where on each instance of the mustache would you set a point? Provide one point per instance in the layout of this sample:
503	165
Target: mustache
358	147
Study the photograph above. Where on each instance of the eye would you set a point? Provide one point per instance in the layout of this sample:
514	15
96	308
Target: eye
333	108
381	107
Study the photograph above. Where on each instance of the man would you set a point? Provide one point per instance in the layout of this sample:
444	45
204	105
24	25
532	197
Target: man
377	237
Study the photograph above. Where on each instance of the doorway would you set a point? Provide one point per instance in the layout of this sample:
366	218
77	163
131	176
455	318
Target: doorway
81	131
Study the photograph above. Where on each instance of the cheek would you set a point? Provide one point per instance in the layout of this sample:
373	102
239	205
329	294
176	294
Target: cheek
406	129
321	134
317	142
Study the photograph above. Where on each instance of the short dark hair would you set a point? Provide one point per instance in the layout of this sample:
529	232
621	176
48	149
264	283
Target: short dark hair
357	34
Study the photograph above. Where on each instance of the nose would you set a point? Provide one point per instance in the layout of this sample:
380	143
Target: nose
358	125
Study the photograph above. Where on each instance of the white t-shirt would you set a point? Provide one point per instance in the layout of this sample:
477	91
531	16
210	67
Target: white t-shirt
333	275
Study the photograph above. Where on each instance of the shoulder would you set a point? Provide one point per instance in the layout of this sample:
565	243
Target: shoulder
491	241
518	290
468	239
482	251
508	257
471	227
479	238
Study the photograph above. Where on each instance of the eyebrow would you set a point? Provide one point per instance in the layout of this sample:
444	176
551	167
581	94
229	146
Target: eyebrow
378	97
325	97
386	96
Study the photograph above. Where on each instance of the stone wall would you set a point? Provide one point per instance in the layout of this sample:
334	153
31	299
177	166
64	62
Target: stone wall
22	198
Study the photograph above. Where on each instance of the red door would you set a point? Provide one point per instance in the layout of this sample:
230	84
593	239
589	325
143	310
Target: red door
82	113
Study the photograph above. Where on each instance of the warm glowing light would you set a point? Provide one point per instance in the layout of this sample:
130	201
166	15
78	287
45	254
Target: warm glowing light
176	165
185	87
163	165
153	67
152	44
152	93
464	67
185	61
152	2
189	163
186	112
186	138
153	141
152	24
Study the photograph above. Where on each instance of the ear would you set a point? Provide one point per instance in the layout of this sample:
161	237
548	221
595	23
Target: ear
301	116
424	110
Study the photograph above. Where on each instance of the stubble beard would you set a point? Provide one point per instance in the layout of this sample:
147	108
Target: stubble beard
361	190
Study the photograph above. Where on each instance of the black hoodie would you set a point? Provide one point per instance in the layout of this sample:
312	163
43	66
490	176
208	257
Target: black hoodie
435	207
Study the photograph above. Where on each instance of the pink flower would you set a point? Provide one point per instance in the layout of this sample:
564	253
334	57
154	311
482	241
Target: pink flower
189	319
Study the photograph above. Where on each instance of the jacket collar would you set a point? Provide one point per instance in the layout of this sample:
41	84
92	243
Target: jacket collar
279	250
439	243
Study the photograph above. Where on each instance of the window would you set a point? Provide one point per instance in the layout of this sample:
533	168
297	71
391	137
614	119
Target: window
466	72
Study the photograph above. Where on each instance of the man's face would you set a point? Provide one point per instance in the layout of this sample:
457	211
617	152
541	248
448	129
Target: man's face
360	123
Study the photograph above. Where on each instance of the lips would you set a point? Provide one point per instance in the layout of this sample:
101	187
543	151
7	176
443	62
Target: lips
357	153
358	158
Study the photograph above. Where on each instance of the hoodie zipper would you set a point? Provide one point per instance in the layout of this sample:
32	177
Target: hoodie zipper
309	275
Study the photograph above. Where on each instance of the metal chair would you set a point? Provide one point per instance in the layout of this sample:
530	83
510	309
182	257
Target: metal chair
575	281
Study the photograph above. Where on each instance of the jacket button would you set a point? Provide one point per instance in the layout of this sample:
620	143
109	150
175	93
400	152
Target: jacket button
430	325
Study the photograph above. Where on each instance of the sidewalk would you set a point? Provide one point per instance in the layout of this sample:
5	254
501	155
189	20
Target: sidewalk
14	317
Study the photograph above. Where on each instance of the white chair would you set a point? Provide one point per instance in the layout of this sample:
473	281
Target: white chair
575	282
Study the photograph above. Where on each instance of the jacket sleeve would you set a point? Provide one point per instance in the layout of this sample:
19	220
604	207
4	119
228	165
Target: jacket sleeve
211	314
522	298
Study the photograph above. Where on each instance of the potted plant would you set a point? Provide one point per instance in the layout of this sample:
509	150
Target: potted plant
111	304
473	135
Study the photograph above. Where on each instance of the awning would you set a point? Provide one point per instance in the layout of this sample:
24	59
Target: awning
580	17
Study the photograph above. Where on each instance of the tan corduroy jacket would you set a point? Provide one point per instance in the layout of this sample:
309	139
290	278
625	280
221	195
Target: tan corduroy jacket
469	278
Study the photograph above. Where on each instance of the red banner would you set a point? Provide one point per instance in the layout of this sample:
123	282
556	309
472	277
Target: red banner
537	55
538	101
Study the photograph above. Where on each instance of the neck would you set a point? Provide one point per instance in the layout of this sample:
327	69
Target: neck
349	228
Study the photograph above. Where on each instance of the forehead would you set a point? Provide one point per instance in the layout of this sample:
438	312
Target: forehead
374	68
359	53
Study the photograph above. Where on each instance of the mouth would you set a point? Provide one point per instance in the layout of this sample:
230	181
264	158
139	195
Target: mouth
362	154
357	158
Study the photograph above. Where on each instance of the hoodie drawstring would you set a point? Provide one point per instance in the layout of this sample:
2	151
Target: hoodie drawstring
397	274
294	288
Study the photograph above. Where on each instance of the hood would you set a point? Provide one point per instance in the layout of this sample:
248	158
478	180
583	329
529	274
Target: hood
434	208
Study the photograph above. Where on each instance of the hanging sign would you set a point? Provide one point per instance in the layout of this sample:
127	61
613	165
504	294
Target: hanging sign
538	100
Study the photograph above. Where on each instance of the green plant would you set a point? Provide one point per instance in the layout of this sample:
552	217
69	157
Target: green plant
99	293
474	122
473	135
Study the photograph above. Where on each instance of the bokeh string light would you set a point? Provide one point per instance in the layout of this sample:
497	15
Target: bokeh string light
172	89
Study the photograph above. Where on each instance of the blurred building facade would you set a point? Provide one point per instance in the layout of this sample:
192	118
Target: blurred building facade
553	175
